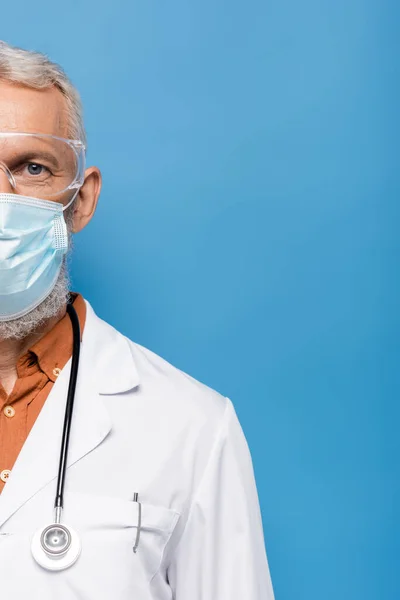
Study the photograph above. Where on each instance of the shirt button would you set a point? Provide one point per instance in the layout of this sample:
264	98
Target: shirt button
56	371
9	411
5	474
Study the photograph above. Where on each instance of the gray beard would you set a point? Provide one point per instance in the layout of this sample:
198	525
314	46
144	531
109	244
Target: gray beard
20	328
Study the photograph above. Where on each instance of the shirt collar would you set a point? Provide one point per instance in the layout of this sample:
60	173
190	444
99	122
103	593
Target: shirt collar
54	349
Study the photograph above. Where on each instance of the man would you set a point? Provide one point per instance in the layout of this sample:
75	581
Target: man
159	499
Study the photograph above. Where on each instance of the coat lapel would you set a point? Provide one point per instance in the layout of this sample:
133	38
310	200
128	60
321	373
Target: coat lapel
106	366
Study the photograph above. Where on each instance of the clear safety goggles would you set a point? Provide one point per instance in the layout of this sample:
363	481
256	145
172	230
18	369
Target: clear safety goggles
42	165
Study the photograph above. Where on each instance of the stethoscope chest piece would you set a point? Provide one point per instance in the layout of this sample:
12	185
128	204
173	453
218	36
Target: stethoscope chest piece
56	547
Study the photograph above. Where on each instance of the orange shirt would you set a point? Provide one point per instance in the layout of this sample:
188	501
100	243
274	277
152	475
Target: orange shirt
37	371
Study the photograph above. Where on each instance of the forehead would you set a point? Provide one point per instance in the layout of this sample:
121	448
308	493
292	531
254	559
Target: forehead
33	111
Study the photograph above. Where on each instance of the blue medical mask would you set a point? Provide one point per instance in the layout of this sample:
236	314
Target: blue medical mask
33	242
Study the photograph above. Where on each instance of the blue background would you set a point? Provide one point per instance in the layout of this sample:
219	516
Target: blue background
247	232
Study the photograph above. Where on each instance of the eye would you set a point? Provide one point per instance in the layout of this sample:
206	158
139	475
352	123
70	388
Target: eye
35	169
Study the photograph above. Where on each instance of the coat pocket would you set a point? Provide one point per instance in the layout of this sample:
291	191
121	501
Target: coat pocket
108	527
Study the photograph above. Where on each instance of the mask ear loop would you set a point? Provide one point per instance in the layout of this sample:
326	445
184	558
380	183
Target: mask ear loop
72	199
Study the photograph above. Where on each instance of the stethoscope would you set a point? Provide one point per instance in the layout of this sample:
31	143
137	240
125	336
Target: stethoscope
56	546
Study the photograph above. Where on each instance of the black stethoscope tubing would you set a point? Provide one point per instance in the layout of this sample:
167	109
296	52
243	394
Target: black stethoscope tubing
76	345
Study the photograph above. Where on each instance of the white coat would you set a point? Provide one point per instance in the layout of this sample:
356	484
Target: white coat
139	425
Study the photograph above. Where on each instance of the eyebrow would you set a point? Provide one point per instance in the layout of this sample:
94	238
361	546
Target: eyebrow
39	155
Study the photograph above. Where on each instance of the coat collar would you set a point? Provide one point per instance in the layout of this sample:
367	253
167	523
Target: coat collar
113	368
106	367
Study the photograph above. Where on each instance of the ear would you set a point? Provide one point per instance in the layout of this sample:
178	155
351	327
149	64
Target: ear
86	201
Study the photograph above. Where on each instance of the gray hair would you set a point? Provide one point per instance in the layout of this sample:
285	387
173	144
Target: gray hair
36	70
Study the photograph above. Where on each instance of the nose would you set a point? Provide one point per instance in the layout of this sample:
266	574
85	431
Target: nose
5	180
